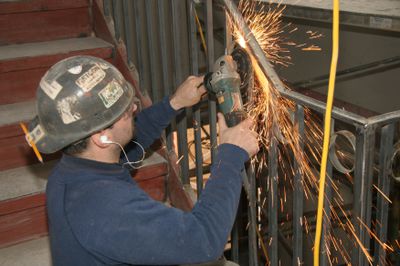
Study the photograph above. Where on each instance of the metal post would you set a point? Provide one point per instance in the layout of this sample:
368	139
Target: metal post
166	80
251	195
128	31
139	36
326	226
117	24
273	203
193	54
212	105
365	141
386	149
106	7
298	194
181	122
152	49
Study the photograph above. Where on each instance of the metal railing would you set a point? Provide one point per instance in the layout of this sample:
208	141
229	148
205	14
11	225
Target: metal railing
162	40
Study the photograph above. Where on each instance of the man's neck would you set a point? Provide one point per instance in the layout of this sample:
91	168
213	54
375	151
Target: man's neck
109	155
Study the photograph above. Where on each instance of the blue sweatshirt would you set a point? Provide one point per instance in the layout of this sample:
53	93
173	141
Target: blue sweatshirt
99	216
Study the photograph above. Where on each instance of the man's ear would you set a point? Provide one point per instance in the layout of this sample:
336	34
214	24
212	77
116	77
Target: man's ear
100	139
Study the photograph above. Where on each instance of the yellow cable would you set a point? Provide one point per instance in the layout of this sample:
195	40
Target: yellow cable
203	40
327	129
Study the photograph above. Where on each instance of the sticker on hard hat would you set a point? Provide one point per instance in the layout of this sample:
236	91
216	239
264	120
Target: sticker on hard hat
51	89
75	70
91	78
65	108
111	93
36	134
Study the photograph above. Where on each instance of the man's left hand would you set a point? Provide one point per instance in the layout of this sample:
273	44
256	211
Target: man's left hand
188	93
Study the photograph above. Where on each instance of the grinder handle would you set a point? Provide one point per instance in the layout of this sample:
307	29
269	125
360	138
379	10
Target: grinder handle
235	117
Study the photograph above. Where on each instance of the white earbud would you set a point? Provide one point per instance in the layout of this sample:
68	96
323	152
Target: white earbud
104	139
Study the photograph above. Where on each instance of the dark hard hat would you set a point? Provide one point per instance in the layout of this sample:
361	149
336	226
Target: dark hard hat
77	97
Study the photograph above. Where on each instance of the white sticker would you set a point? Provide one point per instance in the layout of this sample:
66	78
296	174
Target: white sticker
36	134
91	78
52	89
66	110
111	93
103	65
75	70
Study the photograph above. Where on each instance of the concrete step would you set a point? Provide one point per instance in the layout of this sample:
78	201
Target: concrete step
31	253
23	65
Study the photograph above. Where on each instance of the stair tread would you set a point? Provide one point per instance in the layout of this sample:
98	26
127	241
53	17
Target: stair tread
32	179
16	112
33	252
15	51
24	180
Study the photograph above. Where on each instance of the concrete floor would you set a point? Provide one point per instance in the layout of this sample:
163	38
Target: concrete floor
32	253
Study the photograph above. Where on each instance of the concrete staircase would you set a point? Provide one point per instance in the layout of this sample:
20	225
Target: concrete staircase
34	35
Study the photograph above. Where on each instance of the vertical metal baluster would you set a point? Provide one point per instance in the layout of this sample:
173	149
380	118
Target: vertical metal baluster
128	31
365	141
210	62
235	240
386	150
298	194
273	202
117	24
152	49
106	7
167	82
196	109
181	122
139	36
326	226
235	228
251	195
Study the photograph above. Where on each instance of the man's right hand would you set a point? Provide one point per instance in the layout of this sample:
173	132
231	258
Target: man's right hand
240	135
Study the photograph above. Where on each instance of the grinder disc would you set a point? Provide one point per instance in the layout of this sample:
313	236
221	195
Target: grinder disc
245	70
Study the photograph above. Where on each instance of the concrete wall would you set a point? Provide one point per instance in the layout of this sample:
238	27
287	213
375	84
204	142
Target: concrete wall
377	92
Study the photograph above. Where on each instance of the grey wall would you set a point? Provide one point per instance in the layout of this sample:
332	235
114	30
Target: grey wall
377	92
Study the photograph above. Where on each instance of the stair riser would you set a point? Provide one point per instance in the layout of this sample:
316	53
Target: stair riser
40	5
44	26
45	61
22	226
19	86
25	218
15	152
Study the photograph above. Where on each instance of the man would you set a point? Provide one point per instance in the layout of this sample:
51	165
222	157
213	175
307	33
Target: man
97	213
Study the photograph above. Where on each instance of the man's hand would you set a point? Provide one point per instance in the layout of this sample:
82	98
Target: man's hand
188	93
240	135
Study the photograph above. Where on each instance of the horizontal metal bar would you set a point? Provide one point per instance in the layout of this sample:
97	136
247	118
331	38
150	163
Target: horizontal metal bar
350	73
384	118
319	106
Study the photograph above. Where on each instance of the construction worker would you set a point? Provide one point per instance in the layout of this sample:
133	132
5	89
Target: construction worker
97	213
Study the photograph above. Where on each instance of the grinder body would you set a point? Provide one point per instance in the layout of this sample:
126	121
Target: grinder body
225	83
